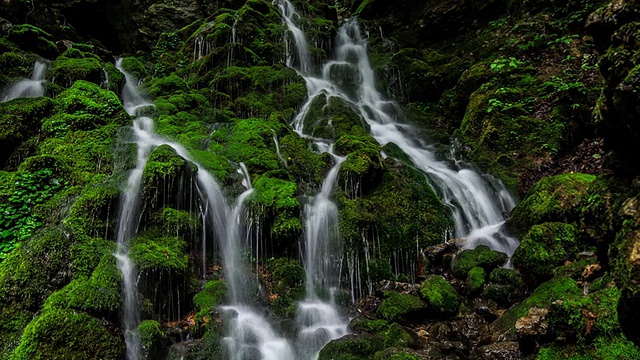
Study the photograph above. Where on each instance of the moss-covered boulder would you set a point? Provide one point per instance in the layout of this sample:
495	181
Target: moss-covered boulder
74	65
66	334
286	279
19	121
367	325
543	248
352	347
552	199
34	39
405	307
280	208
440	297
166	177
476	279
481	256
505	287
401	337
151	339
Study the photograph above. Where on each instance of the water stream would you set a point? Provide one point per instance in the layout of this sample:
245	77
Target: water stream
28	88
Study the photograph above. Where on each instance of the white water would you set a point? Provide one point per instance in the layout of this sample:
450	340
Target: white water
28	88
247	330
477	201
318	321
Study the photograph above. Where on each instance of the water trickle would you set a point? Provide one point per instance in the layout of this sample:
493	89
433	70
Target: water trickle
477	202
275	141
28	88
246	326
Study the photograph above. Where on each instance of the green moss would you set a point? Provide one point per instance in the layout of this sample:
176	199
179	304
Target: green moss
441	298
98	294
67	70
481	256
394	354
134	66
87	98
169	85
32	38
554	198
543	248
505	287
363	324
397	336
280	204
91	213
19	121
154	251
176	222
352	348
542	297
476	279
163	175
251	142
151	337
65	334
397	306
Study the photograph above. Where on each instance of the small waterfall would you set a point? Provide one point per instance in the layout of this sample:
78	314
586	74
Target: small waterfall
275	142
478	202
248	331
29	88
318	321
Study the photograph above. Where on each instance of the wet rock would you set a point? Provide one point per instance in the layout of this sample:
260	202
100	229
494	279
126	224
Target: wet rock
400	287
532	325
507	350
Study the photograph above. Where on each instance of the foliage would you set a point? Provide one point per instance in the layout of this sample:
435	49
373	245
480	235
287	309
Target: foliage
398	306
17	221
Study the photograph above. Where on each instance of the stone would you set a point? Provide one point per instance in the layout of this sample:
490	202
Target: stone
532	325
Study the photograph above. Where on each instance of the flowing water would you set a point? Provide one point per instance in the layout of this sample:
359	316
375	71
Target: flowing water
28	88
478	202
248	332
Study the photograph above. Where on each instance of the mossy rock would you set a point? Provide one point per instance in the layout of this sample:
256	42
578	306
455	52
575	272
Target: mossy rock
19	119
481	256
98	295
476	278
352	347
169	85
151	339
552	199
543	248
441	298
397	354
505	287
542	297
67	334
14	65
67	70
366	325
398	306
88	98
332	118
281	207
165	177
153	251
32	38
90	215
401	337
176	222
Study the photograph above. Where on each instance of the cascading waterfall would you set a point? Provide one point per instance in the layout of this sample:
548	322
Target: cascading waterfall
478	202
249	333
318	321
29	88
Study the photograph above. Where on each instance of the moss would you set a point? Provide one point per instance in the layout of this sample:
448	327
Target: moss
286	279
476	279
373	326
67	70
19	121
352	348
32	38
394	354
332	118
134	66
166	174
153	251
441	298
251	142
397	306
505	287
91	214
542	297
398	336
115	79
65	334
169	85
151	337
554	198
98	294
543	248
87	98
280	205
481	256
176	222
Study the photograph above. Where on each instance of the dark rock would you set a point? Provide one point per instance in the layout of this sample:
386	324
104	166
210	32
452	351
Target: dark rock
508	350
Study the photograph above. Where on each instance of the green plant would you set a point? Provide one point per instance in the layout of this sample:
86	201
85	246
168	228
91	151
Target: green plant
17	222
503	65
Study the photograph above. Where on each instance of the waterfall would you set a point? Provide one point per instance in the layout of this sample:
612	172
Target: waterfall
478	202
318	321
248	330
28	88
